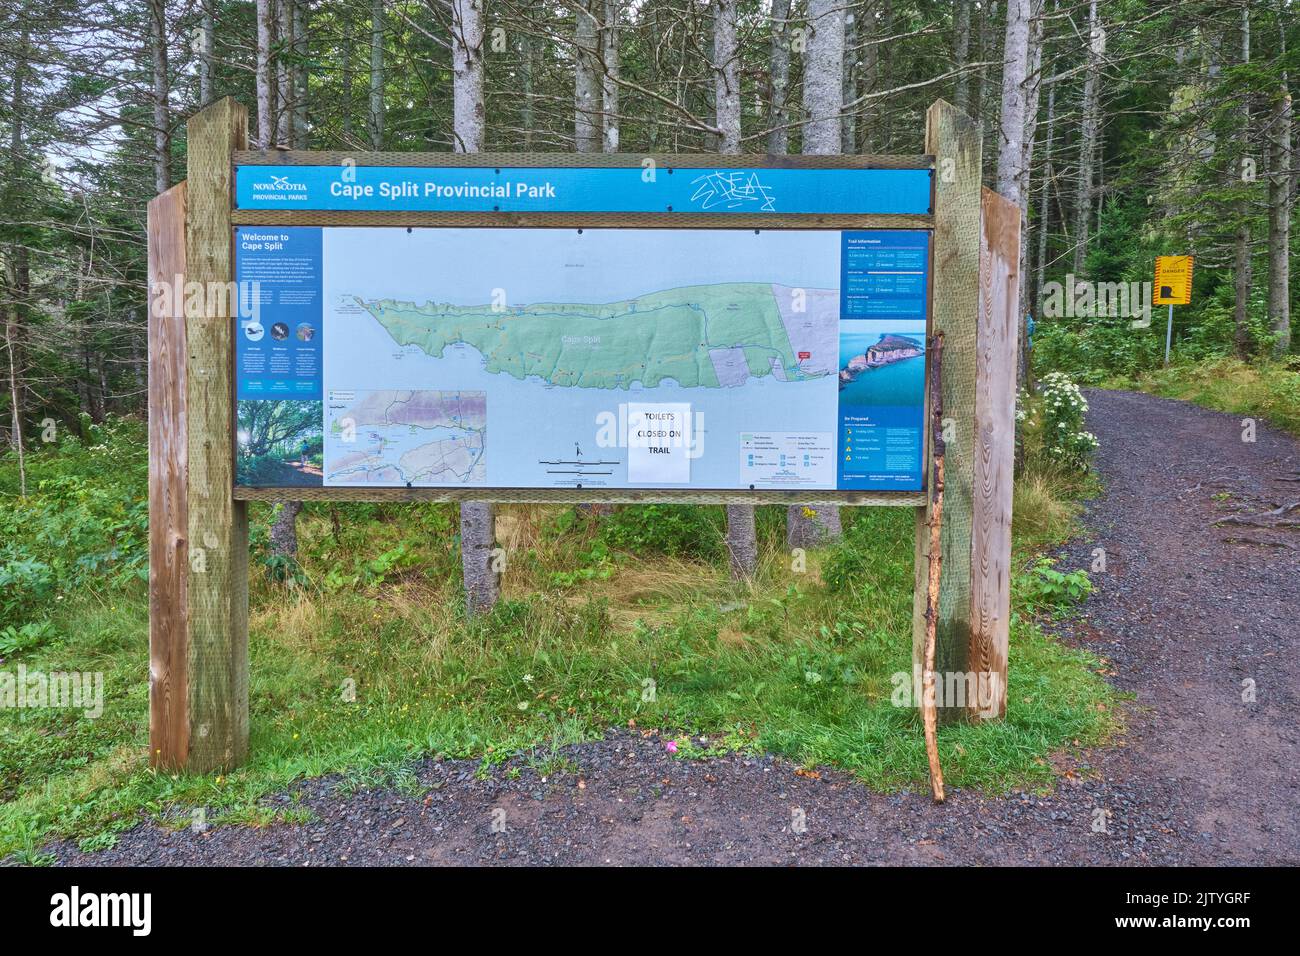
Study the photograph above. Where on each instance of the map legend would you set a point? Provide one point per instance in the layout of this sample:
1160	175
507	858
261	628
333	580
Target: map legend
787	459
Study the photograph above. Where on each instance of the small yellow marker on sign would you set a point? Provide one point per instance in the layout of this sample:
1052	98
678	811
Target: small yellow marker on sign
1173	287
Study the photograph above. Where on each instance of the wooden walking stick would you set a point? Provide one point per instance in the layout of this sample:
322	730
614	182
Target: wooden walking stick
928	714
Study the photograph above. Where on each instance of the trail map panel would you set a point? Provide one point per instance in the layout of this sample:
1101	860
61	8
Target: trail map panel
599	358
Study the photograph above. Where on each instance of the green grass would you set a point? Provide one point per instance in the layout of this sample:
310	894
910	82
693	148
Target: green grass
796	663
1268	390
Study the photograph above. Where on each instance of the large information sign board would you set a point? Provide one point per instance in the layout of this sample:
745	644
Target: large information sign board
695	359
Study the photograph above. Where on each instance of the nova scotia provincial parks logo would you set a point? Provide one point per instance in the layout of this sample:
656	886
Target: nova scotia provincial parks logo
279	185
75	908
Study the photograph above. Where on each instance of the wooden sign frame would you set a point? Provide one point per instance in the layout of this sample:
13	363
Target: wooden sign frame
198	517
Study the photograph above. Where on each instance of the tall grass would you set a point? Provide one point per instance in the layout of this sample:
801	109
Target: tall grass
1269	390
364	660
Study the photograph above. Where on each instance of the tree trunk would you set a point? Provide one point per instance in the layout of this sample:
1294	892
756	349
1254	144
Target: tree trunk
810	526
726	77
883	122
284	530
477	543
206	29
1279	226
346	71
16	386
961	54
265	83
477	518
527	111
742	541
1242	264
17	268
1044	196
468	115
1091	123
162	136
609	75
984	103
1015	68
871	81
823	85
83	341
284	74
778	113
1018	115
823	77
849	92
293	124
300	74
375	116
586	132
1279	223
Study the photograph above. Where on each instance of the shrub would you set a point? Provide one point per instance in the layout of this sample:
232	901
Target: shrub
847	561
1055	419
1043	587
693	531
85	520
865	552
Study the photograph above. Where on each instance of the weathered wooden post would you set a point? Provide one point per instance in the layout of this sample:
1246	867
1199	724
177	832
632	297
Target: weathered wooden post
995	437
979	422
953	139
169	728
198	533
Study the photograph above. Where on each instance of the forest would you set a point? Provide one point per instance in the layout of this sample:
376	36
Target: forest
1123	129
1143	128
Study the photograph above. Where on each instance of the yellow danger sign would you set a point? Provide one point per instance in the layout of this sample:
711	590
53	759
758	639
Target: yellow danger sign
1173	280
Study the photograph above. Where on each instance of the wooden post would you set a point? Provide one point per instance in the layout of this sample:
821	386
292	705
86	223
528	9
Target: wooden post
995	435
953	139
199	607
169	729
218	585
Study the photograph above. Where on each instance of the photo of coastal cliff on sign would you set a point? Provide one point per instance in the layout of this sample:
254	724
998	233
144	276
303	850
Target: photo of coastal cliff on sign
881	363
891	348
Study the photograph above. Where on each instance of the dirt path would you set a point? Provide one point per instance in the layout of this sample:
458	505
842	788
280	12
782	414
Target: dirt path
1185	610
292	472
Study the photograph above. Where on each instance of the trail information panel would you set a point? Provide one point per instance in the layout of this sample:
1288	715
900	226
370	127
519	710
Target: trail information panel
594	358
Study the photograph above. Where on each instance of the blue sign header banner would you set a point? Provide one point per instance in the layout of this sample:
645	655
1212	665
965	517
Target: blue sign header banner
630	189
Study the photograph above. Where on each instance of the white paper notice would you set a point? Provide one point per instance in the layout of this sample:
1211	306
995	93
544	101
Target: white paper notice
657	443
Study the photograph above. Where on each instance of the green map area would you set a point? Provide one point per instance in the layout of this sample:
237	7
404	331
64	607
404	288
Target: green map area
689	335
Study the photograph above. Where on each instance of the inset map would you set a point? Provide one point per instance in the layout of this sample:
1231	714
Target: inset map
415	437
